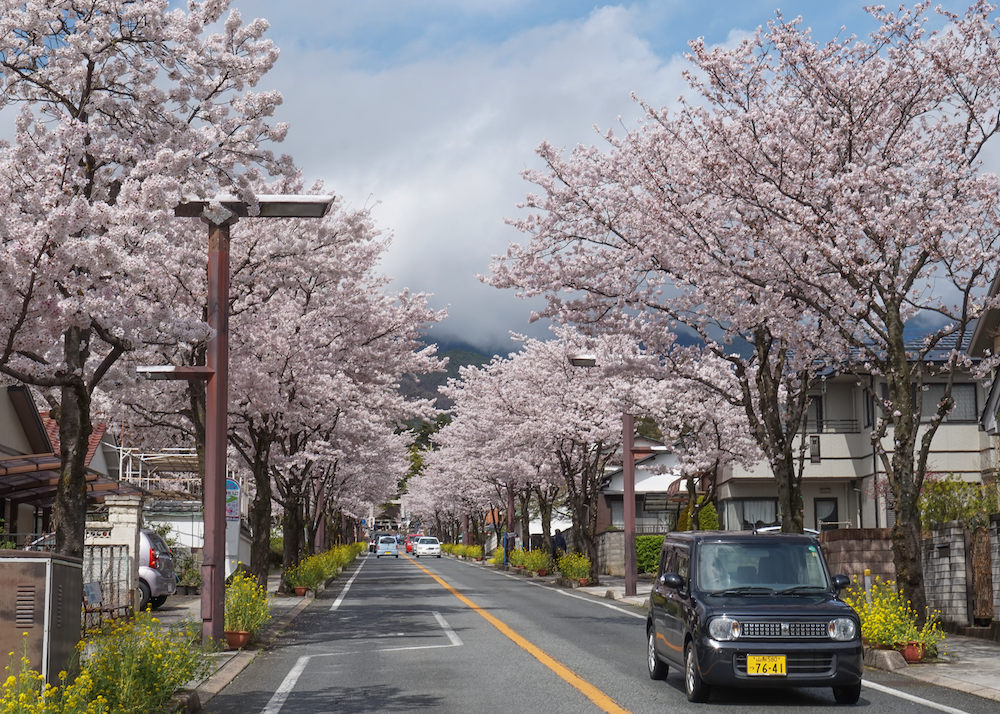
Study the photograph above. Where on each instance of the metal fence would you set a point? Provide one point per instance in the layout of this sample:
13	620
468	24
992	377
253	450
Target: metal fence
107	584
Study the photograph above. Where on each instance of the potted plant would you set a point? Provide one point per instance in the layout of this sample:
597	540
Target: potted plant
575	566
248	609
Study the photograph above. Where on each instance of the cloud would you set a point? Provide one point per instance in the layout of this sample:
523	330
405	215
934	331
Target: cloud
438	142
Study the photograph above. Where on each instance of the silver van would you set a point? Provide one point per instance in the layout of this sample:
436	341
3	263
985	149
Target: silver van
156	570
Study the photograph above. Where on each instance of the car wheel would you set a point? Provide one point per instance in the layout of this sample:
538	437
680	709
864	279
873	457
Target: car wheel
143	596
397	555
657	669
158	601
696	689
439	555
378	555
848	694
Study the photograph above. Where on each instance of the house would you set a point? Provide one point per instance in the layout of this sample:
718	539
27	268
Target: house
30	465
843	483
660	491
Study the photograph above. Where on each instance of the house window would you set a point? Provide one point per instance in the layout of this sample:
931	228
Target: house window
814	415
965	402
749	513
827	518
814	455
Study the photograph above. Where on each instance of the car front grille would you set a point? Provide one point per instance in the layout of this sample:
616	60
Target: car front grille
785	629
799	664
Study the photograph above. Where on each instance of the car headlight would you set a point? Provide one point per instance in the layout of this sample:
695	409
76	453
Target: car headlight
724	629
843	629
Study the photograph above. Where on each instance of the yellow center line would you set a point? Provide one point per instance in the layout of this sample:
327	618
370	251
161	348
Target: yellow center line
602	700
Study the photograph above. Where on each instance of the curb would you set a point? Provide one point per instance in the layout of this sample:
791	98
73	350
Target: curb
192	700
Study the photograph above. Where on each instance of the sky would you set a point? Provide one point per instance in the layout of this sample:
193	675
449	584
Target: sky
427	112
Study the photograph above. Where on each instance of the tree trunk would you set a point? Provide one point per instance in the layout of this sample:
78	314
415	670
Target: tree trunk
260	523
292	525
524	500
69	512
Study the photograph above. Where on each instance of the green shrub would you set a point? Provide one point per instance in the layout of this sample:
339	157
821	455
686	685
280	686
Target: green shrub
248	607
498	556
25	692
517	557
708	518
537	559
137	666
574	566
647	552
887	620
952	499
475	551
315	569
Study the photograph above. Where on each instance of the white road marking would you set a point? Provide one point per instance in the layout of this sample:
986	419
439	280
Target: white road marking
911	698
567	593
281	693
277	701
455	640
340	598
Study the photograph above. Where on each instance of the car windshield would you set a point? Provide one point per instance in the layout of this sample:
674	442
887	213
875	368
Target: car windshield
429	541
761	568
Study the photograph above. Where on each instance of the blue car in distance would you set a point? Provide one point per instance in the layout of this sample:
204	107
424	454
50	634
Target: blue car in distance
387	545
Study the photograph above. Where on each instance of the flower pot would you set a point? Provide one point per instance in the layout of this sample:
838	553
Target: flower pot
300	590
542	572
584	581
237	639
913	652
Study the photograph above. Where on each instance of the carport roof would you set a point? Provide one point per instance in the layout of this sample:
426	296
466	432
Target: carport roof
34	478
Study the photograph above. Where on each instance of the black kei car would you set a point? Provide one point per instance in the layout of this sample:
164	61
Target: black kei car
745	609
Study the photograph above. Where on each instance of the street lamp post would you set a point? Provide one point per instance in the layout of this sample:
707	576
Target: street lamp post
221	213
629	452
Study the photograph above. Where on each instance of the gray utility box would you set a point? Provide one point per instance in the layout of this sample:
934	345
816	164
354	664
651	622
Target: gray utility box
41	600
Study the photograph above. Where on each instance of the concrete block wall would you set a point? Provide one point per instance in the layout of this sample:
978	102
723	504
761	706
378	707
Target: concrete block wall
611	553
945	561
851	551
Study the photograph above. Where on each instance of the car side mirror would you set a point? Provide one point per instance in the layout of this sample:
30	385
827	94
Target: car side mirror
671	580
840	582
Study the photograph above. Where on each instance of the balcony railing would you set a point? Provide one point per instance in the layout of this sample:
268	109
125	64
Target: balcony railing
833	426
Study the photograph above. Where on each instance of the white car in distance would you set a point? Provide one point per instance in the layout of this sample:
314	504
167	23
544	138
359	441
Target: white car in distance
427	545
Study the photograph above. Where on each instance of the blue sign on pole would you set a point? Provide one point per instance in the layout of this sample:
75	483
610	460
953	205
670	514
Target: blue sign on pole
232	500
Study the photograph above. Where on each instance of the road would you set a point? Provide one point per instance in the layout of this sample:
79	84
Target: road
440	635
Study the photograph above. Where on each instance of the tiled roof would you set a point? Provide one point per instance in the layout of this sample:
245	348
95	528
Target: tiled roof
52	429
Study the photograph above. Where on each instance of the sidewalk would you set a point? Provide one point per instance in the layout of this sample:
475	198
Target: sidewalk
966	664
228	663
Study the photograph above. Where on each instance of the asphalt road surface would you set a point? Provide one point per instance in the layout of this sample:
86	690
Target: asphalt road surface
440	635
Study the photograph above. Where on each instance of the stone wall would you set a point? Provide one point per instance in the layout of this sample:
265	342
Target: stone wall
850	551
611	553
946	561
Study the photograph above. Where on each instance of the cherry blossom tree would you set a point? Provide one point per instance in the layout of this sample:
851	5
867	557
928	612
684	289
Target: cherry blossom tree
831	196
122	108
534	419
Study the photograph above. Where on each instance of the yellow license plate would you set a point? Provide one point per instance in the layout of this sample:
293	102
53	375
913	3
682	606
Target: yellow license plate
766	665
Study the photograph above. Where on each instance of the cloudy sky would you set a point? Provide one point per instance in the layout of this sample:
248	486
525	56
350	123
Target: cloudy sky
428	110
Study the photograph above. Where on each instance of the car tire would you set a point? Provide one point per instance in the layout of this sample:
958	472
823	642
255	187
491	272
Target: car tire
696	690
157	602
397	555
378	555
848	694
657	669
144	596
